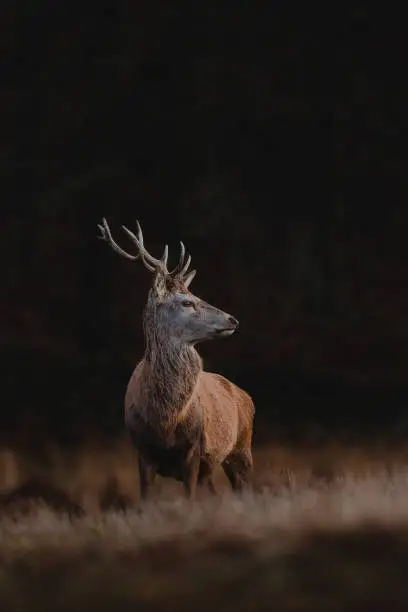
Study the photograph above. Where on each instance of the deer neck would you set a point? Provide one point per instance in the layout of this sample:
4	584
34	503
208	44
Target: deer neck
172	369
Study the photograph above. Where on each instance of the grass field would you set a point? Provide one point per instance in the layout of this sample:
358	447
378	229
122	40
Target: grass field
323	530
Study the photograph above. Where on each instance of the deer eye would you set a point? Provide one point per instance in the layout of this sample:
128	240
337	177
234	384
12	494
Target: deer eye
188	303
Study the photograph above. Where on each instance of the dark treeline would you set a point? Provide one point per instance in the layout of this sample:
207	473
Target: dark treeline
267	140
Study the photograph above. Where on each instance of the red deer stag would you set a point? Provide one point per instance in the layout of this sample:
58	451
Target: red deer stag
183	421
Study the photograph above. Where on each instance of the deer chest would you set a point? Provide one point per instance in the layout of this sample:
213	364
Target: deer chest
165	445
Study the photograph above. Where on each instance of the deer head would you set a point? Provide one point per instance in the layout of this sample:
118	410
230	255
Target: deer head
171	307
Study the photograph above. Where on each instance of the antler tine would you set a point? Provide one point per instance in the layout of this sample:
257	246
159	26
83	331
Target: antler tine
140	246
186	266
149	261
107	236
177	269
162	263
165	256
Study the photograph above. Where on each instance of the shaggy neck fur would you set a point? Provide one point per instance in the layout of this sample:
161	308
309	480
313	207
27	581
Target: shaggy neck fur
171	370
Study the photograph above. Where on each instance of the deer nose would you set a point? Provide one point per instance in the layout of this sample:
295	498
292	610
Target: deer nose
234	321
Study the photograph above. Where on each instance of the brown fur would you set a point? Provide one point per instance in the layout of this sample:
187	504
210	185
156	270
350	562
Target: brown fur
215	421
183	421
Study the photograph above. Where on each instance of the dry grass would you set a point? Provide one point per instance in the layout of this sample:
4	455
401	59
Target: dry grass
324	530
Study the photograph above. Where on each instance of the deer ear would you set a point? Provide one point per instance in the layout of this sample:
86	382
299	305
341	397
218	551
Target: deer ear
159	284
188	279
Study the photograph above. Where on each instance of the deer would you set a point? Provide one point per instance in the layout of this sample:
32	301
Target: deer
184	422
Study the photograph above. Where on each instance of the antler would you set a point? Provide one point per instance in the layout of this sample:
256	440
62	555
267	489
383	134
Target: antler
107	236
149	261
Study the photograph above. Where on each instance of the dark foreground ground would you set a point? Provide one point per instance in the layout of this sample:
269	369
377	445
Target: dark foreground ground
360	569
328	534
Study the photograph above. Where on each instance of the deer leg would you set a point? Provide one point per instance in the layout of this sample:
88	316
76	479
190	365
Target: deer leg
209	481
205	477
211	485
147	475
238	468
191	471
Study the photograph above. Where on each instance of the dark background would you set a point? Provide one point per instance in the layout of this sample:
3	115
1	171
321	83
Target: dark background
269	140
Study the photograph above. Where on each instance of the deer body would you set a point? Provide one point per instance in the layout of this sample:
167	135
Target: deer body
184	421
215	416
